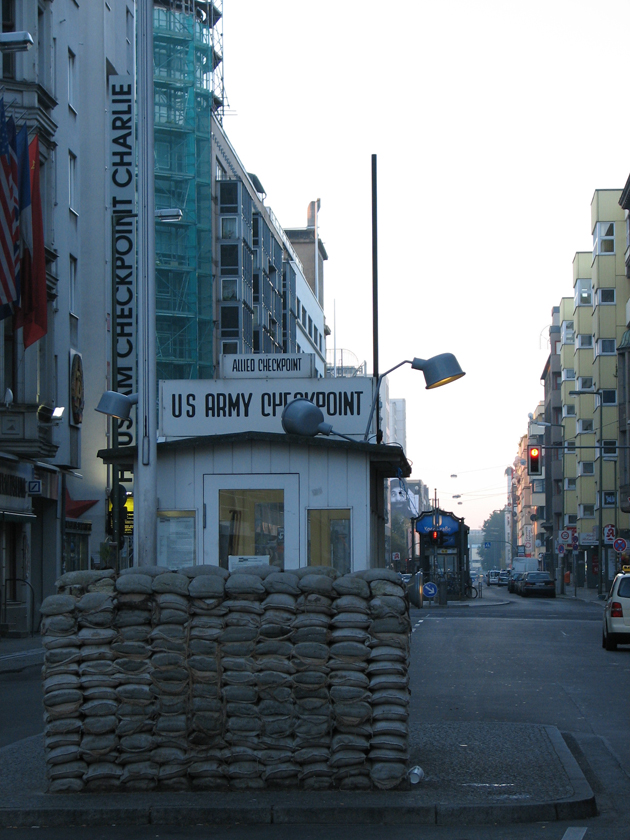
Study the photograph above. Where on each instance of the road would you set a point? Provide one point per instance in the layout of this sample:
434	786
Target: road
524	661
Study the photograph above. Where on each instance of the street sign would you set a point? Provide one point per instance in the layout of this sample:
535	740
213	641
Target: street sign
429	590
561	548
487	545
565	536
575	541
609	533
396	555
620	545
34	487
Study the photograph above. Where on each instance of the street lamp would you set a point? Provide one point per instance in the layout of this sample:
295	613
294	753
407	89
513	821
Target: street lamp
600	542
438	370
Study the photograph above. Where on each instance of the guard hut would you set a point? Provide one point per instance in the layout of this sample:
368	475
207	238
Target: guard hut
235	489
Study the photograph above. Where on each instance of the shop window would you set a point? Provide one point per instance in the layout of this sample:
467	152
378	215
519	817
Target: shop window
251	524
329	539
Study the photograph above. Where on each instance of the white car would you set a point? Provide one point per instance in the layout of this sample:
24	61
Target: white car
616	626
493	577
504	578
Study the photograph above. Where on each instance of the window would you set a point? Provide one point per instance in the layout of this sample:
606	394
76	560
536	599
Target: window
72	181
251	522
228	197
583	292
610	498
72	285
585	383
310	326
604	238
538	486
584	341
587	511
229	257
555	381
229	321
568	374
585	426
304	317
219	172
570	446
606	347
587	468
570	519
568	411
567	335
298	306
605	296
608	396
610	448
328	537
569	484
228	227
72	80
229	288
229	348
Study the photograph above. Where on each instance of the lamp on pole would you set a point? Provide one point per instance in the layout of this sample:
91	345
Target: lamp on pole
438	370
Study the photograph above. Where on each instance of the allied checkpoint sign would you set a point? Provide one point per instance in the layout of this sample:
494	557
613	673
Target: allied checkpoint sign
198	407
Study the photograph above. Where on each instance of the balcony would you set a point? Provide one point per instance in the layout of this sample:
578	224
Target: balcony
27	432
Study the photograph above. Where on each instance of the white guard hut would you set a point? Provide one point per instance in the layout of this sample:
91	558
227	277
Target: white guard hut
234	489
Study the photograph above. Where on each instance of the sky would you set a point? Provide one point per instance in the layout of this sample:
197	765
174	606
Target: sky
493	124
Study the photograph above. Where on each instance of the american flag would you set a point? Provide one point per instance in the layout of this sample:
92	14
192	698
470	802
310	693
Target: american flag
9	254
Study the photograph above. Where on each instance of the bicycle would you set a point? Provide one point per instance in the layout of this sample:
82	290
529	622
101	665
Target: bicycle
471	591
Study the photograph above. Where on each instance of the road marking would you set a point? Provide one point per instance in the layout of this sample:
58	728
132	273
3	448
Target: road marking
574	833
20	654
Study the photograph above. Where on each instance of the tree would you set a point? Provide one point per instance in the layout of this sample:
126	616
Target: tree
494	533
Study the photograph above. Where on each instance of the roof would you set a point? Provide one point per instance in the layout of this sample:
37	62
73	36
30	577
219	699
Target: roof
388	459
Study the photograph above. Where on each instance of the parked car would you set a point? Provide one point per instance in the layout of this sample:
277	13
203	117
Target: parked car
504	578
616	625
537	583
515	579
493	577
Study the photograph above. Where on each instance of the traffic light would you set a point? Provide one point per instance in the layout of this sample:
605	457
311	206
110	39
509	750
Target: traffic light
436	537
534	460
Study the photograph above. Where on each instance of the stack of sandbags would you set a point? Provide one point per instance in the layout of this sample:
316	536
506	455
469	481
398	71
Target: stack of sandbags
244	593
389	680
136	704
206	591
311	681
351	707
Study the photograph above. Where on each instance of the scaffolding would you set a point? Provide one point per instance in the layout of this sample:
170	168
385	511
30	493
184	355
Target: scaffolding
188	81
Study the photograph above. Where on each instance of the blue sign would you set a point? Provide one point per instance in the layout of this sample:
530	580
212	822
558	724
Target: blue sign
447	524
487	545
429	590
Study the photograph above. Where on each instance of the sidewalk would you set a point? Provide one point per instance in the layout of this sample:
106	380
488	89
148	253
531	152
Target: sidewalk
19	653
581	593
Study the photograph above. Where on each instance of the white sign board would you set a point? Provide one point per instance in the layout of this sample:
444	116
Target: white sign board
609	534
240	561
199	407
268	366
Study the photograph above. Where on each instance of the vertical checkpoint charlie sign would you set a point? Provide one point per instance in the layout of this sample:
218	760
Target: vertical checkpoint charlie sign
122	167
199	407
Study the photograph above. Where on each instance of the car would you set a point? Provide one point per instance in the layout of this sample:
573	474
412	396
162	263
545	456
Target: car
406	579
493	577
504	578
537	583
616	623
515	579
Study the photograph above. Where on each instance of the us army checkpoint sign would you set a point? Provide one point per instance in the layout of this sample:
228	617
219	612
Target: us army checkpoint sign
197	407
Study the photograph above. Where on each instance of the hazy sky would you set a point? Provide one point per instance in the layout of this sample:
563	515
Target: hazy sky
493	123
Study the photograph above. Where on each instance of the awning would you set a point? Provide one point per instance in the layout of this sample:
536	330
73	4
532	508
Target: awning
15	516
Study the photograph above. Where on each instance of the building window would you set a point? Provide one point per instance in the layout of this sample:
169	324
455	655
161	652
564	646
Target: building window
587	468
228	227
229	288
606	296
606	347
538	486
555	381
310	326
584	341
608	396
570	446
587	511
604	238
567	335
569	484
328	538
585	426
570	519
72	181
72	285
229	321
229	348
585	383
304	317
72	84
297	308
568	374
610	499
583	292
610	448
568	411
219	172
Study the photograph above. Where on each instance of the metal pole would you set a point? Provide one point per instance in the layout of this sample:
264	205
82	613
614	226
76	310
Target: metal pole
145	479
375	365
601	498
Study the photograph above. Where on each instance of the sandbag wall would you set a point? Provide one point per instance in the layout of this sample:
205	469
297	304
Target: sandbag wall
205	680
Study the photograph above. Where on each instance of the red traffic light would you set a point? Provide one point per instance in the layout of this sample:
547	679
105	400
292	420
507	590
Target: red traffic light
534	460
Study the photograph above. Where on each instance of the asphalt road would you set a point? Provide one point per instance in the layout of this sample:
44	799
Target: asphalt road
528	661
